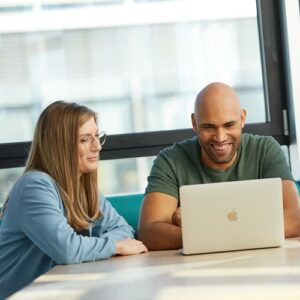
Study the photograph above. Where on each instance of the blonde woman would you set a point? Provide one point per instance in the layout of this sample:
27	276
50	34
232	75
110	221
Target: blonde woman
53	214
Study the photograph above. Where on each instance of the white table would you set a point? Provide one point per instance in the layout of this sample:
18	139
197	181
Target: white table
253	274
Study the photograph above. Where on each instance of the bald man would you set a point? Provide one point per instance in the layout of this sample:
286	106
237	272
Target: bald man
219	152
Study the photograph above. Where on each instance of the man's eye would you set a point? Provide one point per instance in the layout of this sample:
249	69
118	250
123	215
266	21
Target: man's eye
229	125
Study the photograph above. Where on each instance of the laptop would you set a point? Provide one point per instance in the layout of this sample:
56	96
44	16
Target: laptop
229	216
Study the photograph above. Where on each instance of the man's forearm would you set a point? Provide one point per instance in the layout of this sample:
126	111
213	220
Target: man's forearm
161	236
292	225
291	209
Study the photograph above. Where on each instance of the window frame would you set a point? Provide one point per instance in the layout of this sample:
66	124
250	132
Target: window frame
144	144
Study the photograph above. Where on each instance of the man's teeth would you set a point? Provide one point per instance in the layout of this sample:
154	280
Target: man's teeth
221	147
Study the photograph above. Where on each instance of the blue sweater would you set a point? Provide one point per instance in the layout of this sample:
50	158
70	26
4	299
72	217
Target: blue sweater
35	234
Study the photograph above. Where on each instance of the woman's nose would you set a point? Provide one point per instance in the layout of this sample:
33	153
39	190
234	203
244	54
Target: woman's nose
96	146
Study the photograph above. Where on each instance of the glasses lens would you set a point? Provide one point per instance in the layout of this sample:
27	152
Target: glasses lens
102	137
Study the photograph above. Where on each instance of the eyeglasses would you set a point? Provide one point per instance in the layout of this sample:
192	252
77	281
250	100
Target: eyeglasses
102	137
88	140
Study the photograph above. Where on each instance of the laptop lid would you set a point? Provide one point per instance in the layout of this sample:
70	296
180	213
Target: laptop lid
230	216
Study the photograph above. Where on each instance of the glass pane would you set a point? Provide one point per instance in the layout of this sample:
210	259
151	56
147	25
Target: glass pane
142	72
120	176
7	179
123	176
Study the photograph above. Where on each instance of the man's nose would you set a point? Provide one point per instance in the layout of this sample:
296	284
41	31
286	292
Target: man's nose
220	135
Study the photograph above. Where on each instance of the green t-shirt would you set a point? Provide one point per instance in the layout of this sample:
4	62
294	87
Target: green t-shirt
180	164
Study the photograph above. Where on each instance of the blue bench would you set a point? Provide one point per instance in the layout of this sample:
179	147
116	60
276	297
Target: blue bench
127	206
298	186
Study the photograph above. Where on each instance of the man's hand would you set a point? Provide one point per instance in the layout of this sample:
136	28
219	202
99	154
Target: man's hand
156	229
176	217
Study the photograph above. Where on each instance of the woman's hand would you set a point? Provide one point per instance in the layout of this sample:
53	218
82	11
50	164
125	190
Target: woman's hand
129	247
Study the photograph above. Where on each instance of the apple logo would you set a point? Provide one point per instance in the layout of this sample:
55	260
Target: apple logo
232	216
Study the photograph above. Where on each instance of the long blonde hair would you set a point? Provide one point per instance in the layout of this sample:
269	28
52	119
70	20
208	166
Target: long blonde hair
54	150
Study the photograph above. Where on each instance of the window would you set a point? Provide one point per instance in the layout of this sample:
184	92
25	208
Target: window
140	67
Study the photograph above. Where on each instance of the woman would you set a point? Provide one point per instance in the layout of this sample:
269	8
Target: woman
52	214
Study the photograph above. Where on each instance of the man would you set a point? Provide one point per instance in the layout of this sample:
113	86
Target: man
220	152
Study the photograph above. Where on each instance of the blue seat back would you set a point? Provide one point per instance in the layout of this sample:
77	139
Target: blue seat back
128	206
298	186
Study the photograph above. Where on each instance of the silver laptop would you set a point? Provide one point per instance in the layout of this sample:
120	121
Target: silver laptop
231	216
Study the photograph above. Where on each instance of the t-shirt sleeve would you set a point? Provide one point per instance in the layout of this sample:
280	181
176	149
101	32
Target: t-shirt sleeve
162	177
275	163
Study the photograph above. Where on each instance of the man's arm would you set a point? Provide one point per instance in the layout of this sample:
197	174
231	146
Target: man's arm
156	230
291	209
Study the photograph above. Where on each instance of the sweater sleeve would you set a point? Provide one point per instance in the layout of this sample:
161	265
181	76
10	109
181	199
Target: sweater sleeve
43	221
111	224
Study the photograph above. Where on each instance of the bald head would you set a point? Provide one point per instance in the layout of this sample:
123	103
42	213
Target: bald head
216	97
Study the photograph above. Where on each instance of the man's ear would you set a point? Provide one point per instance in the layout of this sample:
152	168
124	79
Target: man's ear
194	122
243	117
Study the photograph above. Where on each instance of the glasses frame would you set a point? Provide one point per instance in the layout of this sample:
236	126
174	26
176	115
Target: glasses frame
100	138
